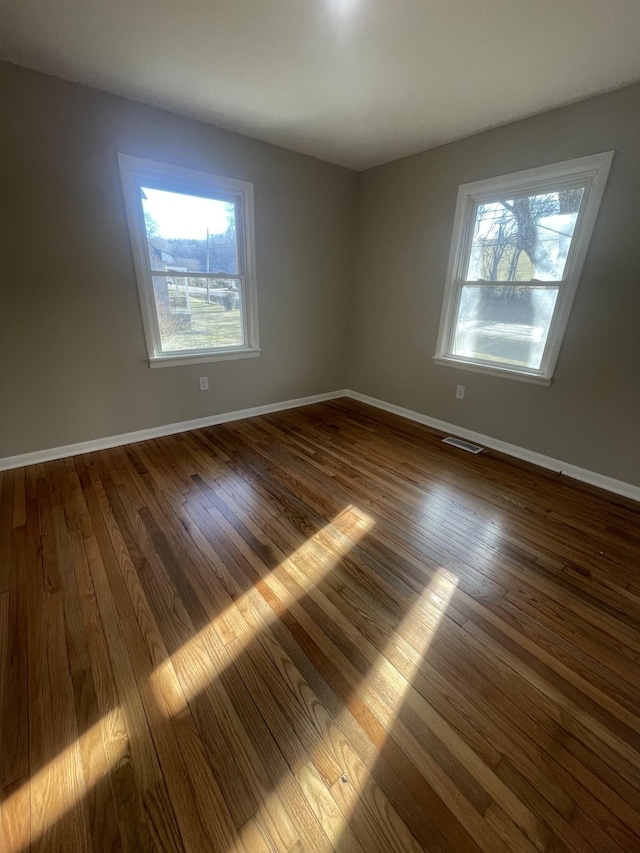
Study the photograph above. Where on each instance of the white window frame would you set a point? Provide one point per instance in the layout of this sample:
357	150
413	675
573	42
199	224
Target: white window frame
590	172
136	172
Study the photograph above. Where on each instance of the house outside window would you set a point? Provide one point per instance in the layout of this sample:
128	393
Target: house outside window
192	235
519	243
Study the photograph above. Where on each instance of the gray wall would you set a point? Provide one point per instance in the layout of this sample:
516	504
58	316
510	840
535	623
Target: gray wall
590	416
72	353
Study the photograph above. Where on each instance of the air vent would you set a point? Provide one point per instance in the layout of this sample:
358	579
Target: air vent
463	445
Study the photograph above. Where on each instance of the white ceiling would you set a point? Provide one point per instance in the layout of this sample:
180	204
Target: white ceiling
356	82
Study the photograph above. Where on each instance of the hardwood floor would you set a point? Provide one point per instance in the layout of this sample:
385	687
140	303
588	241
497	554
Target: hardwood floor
316	630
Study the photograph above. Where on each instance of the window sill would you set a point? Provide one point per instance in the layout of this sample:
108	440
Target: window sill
507	373
203	358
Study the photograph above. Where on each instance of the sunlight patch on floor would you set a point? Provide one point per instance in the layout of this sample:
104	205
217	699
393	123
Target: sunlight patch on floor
59	787
205	656
385	688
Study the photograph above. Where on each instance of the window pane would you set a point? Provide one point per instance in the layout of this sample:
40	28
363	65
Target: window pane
189	233
504	324
519	239
192	316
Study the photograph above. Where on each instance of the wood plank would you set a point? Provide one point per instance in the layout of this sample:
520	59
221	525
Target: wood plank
316	630
15	815
6	524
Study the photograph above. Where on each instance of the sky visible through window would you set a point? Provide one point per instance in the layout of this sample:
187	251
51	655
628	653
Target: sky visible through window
178	216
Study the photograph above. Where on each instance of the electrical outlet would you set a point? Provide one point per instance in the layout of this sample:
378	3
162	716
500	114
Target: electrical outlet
460	392
204	383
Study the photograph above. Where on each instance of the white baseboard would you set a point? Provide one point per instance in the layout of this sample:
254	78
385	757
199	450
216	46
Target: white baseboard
619	487
156	432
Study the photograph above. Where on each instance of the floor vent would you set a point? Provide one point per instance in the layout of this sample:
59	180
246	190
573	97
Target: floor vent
463	445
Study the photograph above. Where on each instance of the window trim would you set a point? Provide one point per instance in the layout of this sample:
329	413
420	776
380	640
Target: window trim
590	171
136	171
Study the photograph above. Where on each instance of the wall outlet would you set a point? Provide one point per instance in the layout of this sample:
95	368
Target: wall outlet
460	392
204	383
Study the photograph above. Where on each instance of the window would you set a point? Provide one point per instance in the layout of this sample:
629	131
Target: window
193	247
518	246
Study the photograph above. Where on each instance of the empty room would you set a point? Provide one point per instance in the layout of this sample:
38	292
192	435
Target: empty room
319	426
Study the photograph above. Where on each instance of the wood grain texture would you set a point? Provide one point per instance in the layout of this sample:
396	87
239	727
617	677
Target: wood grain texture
317	630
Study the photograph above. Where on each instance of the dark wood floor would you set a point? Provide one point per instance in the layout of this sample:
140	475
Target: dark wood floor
316	630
